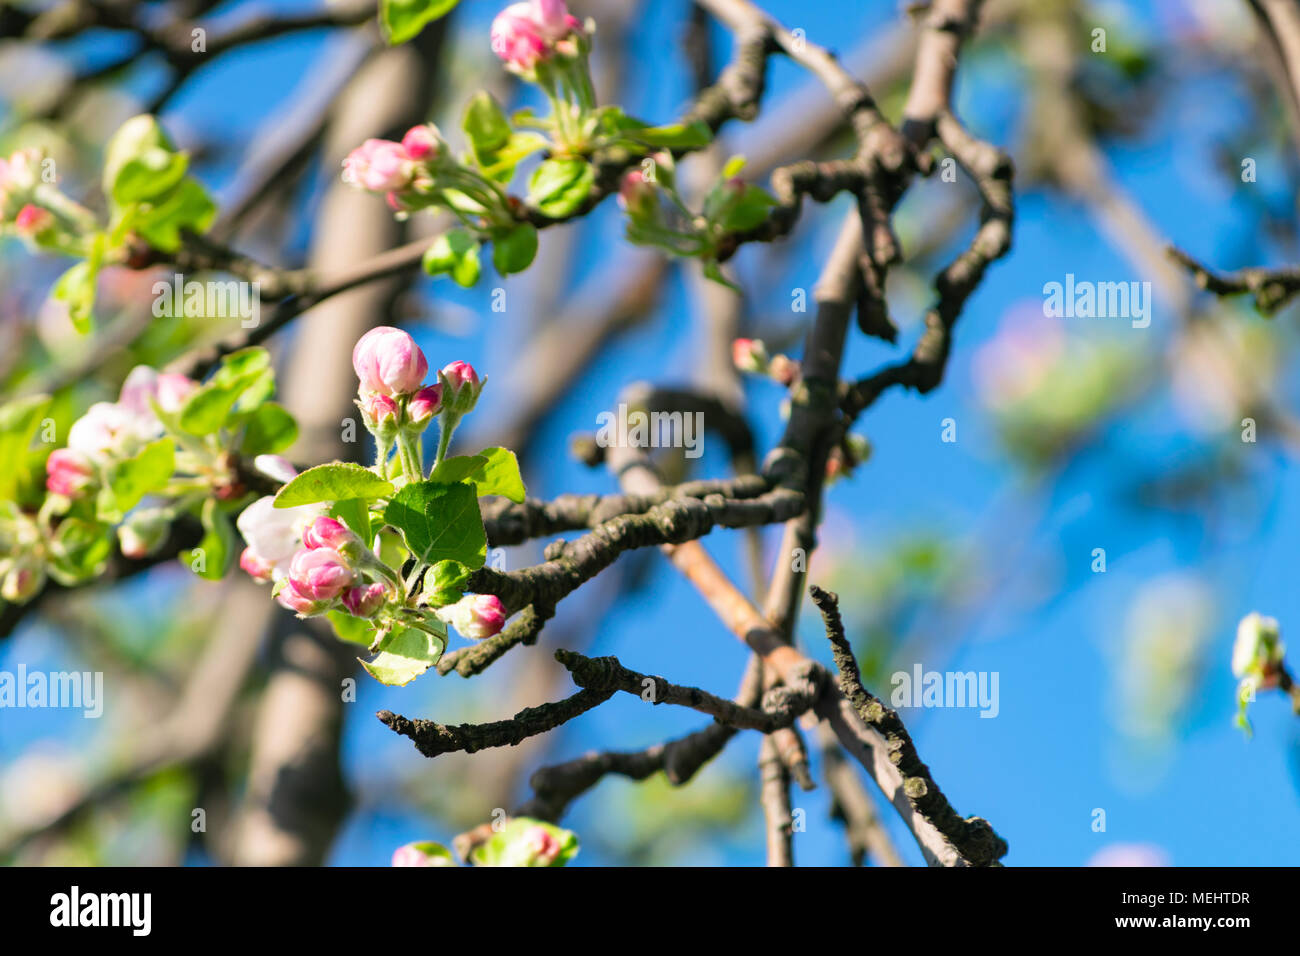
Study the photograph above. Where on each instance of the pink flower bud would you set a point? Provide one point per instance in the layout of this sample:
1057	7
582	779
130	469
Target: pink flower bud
320	574
553	19
388	361
475	616
783	369
426	404
32	220
378	165
750	355
22	580
422	854
421	142
542	845
68	473
461	387
379	413
328	533
290	597
364	600
637	196
143	532
256	566
517	38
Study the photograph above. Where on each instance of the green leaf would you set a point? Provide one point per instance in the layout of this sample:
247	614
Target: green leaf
559	186
507	847
187	208
485	125
354	630
140	162
402	20
499	475
216	552
336	481
513	251
444	583
76	288
269	429
733	167
246	371
19	420
500	164
440	522
676	136
405	654
455	252
132	479
354	513
457	468
80	550
748	211
714	271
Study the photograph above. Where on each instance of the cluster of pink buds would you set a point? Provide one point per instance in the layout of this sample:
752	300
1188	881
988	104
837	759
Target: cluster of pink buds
750	355
396	169
327	572
111	431
395	402
526	34
476	616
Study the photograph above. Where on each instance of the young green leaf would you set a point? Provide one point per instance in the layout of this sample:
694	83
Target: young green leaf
455	252
354	630
402	20
457	468
216	552
404	655
560	186
514	250
499	474
485	126
269	429
336	481
19	420
440	522
133	478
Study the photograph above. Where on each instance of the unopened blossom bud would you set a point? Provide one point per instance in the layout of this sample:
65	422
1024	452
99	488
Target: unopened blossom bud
638	197
426	404
32	220
553	19
1258	650
365	599
421	142
475	616
255	565
783	369
422	854
388	361
461	387
320	574
289	596
517	38
68	473
535	846
22	580
378	165
379	414
143	532
327	532
750	355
